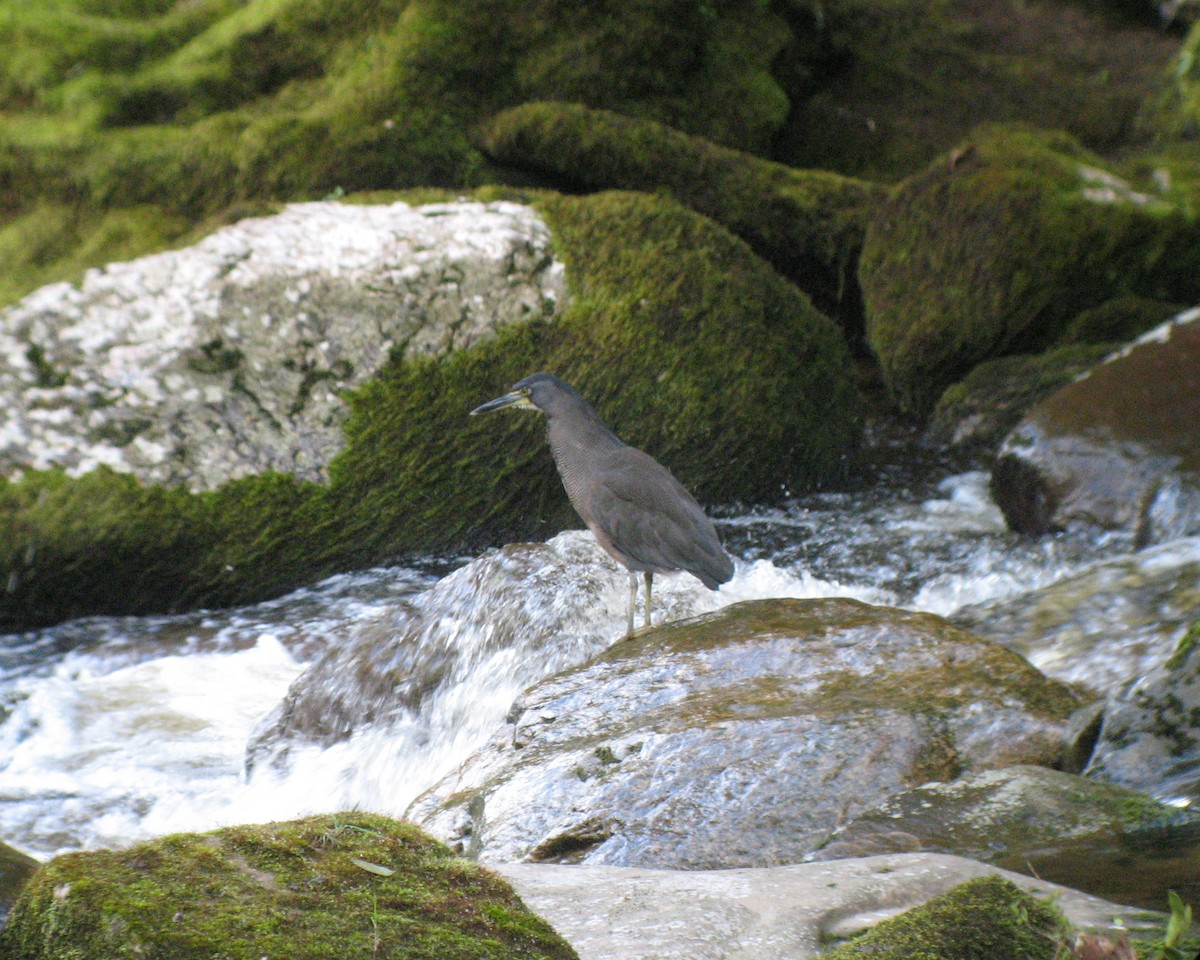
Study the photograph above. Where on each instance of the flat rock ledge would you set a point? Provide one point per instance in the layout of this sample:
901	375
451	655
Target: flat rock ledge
629	913
228	358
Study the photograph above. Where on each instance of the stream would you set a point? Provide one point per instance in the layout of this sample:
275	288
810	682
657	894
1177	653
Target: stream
117	729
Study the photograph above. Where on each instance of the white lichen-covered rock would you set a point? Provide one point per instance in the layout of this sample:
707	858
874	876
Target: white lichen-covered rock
225	359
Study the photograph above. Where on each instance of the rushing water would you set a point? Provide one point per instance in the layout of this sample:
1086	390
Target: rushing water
115	729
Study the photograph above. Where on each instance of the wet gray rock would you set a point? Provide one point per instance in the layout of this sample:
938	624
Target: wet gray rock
1105	625
1019	815
1118	449
617	913
744	737
1150	739
225	359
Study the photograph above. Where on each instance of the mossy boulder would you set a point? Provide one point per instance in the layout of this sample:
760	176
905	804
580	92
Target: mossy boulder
994	249
1118	321
980	410
339	886
176	110
686	342
887	86
808	223
984	919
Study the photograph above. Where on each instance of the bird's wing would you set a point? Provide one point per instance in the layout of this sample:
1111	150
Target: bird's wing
648	516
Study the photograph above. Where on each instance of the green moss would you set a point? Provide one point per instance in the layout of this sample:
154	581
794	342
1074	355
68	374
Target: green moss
994	250
302	95
340	886
1175	112
1119	320
686	342
1185	648
884	86
983	407
808	224
983	919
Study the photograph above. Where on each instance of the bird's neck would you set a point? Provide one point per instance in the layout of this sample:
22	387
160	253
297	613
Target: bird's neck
576	446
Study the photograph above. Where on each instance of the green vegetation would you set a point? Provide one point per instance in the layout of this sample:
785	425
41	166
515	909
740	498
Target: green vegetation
991	400
677	332
808	223
1174	943
123	124
342	887
887	85
995	249
983	919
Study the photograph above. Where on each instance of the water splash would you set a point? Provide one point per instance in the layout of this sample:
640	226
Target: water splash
118	729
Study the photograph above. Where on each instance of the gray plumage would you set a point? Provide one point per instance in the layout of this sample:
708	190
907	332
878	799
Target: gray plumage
639	513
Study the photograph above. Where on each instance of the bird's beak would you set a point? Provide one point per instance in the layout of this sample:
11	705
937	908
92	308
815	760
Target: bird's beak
517	397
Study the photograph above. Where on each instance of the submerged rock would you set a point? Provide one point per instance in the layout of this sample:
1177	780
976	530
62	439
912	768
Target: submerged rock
231	357
348	885
1150	739
1118	449
995	249
623	913
744	737
1105	625
1017	815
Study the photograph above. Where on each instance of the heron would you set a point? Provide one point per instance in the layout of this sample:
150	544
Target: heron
636	509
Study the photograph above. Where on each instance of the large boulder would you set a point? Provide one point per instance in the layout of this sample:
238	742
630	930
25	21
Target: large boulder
994	249
231	357
808	223
887	87
743	737
687	343
765	913
1118	449
350	885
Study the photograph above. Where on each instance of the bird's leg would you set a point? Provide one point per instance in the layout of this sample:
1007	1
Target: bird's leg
633	592
649	576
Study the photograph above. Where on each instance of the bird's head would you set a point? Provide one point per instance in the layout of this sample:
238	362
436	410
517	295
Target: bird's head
541	392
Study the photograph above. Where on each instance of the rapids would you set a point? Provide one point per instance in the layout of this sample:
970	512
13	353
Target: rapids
116	729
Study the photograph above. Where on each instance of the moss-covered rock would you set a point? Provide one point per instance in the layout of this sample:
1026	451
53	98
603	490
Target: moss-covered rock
1119	320
984	919
688	344
299	96
190	108
342	886
884	87
808	223
980	410
994	250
